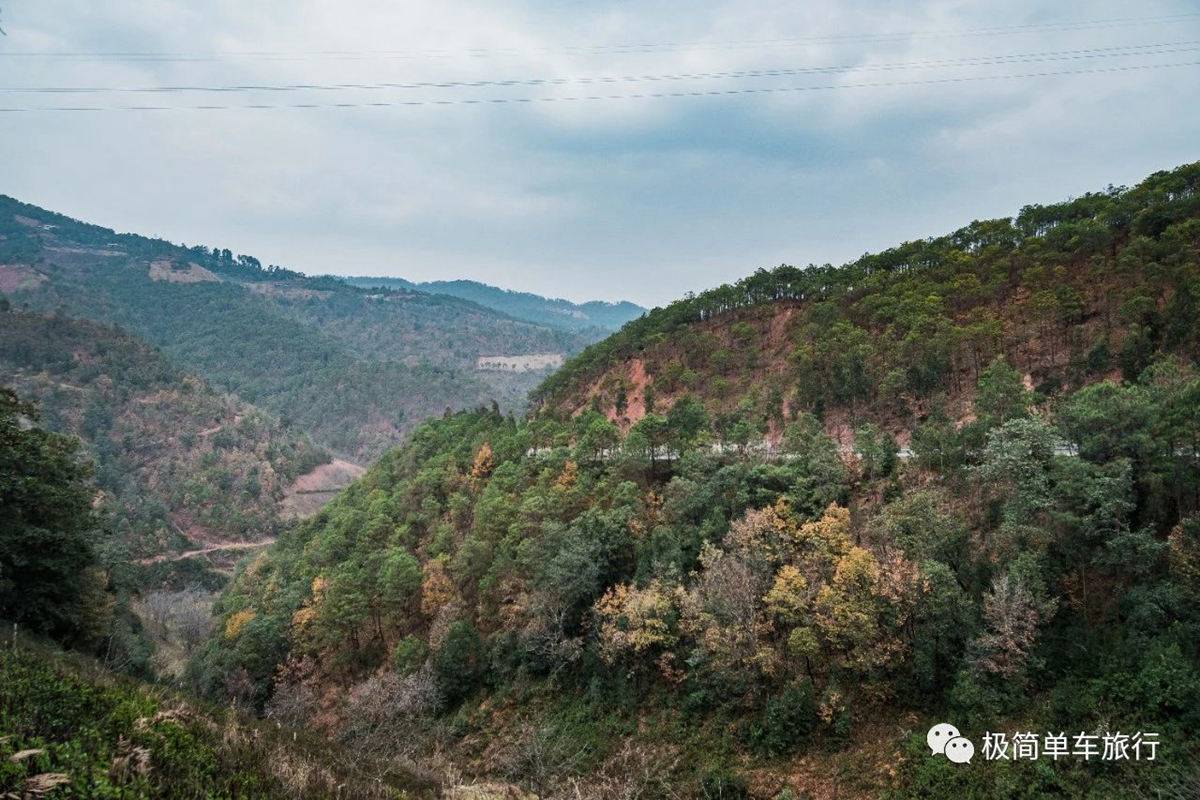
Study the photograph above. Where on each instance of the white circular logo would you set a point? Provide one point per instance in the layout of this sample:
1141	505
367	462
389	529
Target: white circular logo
939	735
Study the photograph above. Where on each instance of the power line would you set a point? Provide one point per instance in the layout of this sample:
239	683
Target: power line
584	98
611	49
1119	51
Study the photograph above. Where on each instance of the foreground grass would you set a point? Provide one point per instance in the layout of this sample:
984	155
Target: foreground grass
69	728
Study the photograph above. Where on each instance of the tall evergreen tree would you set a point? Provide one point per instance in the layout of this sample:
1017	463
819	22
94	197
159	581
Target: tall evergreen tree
48	567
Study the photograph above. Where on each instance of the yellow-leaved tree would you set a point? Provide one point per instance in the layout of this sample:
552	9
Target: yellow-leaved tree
836	604
637	622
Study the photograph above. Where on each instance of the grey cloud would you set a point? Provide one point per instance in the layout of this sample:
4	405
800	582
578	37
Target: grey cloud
628	199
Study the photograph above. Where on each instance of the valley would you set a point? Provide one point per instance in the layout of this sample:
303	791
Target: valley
609	401
176	462
220	400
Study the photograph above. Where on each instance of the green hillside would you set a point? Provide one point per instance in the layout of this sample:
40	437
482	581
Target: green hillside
178	465
757	542
413	327
352	368
592	317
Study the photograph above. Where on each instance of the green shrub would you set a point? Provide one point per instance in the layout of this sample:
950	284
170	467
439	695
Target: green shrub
720	783
457	662
785	722
110	737
409	654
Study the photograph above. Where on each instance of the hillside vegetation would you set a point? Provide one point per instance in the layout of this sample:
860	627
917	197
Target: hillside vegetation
593	319
598	602
69	726
413	327
176	464
70	729
352	368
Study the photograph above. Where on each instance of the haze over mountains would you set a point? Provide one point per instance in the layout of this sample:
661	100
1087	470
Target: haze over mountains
596	316
891	490
217	396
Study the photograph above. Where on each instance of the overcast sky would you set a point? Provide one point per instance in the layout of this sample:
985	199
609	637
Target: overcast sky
639	199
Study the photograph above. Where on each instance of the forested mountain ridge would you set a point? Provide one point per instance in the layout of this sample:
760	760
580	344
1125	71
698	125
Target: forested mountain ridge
1070	293
596	602
594	318
353	368
177	466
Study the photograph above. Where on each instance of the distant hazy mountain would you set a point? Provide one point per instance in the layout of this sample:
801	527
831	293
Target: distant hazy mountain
557	313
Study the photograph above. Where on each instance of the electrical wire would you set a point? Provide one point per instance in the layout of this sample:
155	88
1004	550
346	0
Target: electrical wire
586	98
1119	51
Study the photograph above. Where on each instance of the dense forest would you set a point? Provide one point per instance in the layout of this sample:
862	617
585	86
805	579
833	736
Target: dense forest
183	480
353	368
593	319
412	327
757	542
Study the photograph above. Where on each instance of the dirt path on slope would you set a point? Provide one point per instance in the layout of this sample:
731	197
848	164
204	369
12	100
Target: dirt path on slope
216	547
